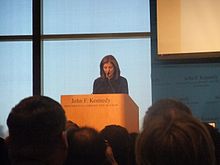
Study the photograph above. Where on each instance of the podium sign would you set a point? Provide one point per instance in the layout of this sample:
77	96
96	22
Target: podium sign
100	110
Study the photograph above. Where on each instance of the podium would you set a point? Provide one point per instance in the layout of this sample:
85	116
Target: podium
100	110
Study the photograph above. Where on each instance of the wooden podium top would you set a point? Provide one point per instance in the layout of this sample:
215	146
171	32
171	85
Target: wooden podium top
99	110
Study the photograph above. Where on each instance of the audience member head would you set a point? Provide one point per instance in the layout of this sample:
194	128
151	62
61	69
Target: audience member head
119	140
36	125
85	147
174	140
166	108
71	125
167	104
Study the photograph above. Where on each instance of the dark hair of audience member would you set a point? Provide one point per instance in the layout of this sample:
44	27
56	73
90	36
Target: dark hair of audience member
85	147
71	125
178	139
133	138
119	140
3	153
215	134
36	125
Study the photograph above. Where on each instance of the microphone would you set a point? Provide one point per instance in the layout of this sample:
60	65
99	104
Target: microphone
110	84
109	81
108	75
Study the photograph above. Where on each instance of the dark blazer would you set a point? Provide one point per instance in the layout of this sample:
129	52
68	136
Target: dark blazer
101	86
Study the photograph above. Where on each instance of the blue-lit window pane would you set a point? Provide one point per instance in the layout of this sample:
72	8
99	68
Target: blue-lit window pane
95	16
70	67
15	76
15	17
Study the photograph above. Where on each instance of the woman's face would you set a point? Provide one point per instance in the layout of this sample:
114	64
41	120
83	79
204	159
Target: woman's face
109	70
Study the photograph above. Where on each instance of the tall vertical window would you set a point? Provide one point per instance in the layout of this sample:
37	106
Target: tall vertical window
15	75
15	56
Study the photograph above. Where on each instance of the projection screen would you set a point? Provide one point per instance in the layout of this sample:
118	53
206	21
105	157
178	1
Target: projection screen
188	28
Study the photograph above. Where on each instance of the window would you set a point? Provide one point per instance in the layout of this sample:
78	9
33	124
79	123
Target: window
75	36
96	16
15	75
70	67
15	17
90	31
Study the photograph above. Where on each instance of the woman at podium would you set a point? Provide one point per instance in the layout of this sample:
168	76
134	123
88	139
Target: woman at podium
110	80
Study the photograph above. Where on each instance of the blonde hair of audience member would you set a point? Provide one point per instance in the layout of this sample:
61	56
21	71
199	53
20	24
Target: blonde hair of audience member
178	139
